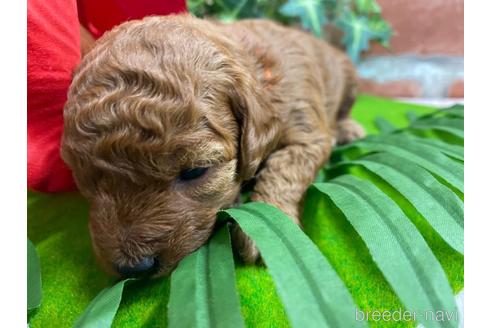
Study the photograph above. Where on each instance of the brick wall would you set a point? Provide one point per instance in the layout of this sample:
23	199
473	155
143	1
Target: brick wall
426	59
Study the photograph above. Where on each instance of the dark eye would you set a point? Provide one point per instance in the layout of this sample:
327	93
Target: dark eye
191	174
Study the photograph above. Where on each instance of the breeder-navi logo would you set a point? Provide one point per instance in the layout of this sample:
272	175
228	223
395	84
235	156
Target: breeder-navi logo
405	315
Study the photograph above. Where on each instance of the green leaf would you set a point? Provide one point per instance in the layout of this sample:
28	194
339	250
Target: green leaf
203	287
435	202
454	151
383	125
416	152
34	293
102	309
381	30
367	7
396	246
456	110
232	10
359	30
454	126
195	6
312	293
310	12
411	116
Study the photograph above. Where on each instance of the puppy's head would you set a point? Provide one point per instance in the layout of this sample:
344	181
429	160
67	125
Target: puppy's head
164	121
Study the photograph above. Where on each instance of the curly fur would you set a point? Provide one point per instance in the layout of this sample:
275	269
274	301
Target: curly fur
160	95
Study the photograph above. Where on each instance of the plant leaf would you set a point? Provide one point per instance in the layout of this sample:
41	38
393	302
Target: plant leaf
196	7
423	155
102	309
453	111
310	12
232	10
203	287
451	150
456	111
453	122
396	246
34	292
435	202
411	116
359	30
383	125
454	126
367	7
312	293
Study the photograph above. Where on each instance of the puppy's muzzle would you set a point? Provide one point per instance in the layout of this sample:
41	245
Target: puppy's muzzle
147	266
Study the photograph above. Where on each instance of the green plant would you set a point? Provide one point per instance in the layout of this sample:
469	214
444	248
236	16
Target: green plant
360	21
401	192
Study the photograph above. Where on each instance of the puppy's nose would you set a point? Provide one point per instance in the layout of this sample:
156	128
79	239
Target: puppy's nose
146	266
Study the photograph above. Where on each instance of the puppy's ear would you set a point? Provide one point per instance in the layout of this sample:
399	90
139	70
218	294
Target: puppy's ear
259	127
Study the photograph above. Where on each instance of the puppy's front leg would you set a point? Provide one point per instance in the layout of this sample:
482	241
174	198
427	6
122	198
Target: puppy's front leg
287	174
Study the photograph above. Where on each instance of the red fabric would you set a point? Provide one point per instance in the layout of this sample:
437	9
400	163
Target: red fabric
53	51
99	16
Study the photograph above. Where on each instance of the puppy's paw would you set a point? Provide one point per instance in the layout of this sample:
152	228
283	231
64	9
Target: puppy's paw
244	246
348	131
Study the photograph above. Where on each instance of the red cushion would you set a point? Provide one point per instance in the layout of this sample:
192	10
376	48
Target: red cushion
99	16
53	51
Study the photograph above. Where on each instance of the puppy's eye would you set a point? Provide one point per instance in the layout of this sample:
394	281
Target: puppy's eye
191	174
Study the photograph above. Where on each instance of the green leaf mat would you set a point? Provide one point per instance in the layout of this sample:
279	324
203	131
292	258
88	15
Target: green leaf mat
57	226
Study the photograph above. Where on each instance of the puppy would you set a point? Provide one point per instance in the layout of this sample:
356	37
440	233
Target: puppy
168	117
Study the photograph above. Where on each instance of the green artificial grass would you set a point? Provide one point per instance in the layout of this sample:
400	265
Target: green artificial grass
71	278
367	108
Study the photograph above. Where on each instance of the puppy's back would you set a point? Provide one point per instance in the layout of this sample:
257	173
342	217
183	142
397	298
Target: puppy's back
294	64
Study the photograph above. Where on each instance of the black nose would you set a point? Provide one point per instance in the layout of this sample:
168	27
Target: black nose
145	266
